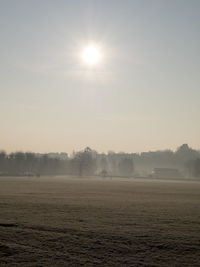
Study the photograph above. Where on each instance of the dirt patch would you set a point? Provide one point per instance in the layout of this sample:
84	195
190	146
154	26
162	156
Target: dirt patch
5	251
8	225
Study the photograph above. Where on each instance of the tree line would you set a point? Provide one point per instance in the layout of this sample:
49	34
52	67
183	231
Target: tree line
81	163
89	162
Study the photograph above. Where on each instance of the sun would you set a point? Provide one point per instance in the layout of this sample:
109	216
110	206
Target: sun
91	55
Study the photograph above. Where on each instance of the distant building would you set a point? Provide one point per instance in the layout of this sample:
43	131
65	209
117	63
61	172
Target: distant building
166	173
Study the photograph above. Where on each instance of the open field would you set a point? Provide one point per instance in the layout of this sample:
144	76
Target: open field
57	221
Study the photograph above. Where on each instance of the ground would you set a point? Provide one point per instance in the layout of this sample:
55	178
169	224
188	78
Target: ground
65	221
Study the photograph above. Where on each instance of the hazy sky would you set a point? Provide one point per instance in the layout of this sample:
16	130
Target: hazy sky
143	95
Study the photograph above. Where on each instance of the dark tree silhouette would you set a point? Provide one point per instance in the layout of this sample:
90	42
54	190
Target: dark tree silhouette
126	167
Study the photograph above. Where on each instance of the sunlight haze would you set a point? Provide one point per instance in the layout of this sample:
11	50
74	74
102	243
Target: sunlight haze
136	89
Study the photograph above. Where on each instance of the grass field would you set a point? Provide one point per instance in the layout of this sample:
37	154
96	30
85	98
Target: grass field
57	221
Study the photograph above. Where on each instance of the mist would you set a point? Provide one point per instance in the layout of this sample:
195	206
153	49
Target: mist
180	164
99	140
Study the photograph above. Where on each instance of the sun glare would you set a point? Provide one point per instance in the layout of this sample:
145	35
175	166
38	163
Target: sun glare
91	55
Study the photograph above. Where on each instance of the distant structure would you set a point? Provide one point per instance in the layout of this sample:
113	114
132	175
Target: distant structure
103	173
166	173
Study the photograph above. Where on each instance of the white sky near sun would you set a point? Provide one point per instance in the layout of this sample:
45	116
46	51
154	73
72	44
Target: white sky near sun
142	94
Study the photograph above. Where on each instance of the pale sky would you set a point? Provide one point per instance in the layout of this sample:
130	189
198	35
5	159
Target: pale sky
143	94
